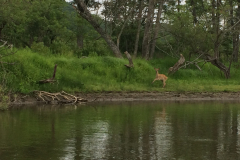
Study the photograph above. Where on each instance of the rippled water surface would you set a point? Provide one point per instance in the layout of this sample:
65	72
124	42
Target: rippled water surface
128	131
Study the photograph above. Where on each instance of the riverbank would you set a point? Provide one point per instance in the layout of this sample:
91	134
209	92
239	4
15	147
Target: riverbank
138	96
107	79
106	74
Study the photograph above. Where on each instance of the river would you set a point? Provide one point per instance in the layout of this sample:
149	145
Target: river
172	130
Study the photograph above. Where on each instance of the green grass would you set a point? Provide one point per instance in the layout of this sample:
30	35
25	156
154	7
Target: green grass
99	74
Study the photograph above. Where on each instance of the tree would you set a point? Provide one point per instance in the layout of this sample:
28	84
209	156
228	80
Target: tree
147	30
127	15
235	36
139	20
157	27
12	14
25	22
6	50
85	13
46	22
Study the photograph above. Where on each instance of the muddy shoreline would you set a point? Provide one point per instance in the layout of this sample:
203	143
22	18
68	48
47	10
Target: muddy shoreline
140	96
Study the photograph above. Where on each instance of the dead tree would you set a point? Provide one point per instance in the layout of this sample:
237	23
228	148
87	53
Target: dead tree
177	65
50	80
130	65
214	61
220	65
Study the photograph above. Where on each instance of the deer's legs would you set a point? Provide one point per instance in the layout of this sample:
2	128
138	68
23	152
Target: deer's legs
164	83
154	80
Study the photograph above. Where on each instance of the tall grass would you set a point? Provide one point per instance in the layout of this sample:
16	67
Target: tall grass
98	74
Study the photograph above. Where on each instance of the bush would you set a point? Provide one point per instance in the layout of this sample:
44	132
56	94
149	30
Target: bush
106	73
40	48
4	100
58	47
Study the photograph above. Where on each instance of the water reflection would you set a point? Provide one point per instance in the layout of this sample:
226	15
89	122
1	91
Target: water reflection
162	135
163	130
69	149
94	142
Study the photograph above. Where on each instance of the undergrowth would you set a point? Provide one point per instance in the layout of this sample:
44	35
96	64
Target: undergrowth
98	74
4	100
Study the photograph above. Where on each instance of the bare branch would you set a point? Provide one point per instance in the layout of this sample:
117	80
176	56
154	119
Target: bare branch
194	62
3	44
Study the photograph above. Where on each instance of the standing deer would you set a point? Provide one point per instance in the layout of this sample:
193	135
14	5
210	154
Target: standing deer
160	77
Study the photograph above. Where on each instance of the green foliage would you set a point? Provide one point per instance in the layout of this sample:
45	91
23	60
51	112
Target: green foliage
4	100
96	47
57	25
56	34
40	48
185	37
58	47
105	73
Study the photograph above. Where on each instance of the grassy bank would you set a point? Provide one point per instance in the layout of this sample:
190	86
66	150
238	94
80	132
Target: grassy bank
98	74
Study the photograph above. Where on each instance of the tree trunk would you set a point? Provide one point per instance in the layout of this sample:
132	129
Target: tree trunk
215	21
120	33
178	7
194	12
157	27
236	35
139	28
147	31
1	28
124	24
1	33
235	46
84	12
213	13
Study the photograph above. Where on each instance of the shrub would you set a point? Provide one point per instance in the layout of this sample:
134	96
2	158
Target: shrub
4	100
58	47
40	48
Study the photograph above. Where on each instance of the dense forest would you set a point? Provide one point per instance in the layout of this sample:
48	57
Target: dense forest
39	34
144	28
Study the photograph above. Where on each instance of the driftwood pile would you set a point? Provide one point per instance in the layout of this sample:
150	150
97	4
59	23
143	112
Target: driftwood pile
58	98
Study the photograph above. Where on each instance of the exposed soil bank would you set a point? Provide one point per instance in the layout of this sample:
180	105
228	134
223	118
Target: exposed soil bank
141	96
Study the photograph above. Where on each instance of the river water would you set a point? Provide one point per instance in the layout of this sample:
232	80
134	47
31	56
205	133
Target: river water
126	131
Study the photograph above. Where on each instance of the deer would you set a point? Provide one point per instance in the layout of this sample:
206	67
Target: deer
160	77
